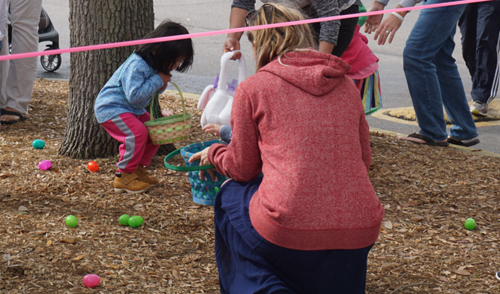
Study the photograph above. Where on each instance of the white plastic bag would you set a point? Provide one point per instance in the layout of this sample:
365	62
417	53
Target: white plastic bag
217	99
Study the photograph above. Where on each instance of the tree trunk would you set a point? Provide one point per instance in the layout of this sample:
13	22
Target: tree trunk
98	22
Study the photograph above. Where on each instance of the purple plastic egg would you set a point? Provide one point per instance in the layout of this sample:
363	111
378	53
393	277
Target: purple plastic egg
91	281
45	165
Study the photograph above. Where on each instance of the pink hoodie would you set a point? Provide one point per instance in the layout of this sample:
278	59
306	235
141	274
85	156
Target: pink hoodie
302	124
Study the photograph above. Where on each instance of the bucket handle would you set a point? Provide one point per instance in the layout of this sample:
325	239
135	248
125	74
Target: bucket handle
183	168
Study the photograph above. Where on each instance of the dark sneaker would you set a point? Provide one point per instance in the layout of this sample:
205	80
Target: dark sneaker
466	143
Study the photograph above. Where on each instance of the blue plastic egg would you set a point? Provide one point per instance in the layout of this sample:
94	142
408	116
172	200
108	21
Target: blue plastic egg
38	144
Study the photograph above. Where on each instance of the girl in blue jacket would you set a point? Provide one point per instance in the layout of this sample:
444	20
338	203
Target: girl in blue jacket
119	107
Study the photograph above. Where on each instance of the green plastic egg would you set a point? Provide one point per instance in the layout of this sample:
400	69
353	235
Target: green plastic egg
470	224
123	220
38	144
135	221
71	221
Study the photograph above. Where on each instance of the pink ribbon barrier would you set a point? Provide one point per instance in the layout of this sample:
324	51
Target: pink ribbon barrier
227	31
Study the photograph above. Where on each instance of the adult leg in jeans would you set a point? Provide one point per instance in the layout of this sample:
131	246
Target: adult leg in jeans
433	29
453	94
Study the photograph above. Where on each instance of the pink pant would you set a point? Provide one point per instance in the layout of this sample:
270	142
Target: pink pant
136	148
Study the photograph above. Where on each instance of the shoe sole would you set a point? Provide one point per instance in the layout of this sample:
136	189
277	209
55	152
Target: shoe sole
477	112
470	143
122	190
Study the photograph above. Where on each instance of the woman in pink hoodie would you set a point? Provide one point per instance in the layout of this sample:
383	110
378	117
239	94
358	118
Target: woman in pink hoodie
307	225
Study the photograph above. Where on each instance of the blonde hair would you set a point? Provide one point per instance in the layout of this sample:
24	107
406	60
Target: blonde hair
274	42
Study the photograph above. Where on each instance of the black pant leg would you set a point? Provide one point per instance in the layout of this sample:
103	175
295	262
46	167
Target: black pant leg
468	24
486	78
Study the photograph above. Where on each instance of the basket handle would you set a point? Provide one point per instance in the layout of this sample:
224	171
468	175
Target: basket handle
182	100
183	168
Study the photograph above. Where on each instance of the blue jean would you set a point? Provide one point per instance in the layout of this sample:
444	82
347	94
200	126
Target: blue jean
248	263
432	75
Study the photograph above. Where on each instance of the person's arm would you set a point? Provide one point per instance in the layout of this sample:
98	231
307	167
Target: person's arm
329	30
236	20
389	27
392	23
373	21
138	85
241	159
239	10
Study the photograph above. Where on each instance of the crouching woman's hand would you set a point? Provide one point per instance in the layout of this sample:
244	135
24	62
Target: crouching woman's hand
202	156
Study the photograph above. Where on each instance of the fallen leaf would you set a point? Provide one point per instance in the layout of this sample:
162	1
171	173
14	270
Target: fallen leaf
49	243
67	240
462	272
3	176
388	225
79	257
417	218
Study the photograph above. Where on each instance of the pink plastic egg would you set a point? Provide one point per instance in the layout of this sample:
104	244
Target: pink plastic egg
45	165
91	281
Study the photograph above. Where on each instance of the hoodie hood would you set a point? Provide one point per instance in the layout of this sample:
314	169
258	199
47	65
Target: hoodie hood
312	71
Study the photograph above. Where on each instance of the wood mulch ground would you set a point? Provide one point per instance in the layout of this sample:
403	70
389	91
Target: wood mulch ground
428	193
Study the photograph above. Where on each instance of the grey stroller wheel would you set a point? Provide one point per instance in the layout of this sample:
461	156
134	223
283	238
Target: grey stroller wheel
50	62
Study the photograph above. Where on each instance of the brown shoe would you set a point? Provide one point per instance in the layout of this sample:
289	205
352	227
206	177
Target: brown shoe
130	183
142	173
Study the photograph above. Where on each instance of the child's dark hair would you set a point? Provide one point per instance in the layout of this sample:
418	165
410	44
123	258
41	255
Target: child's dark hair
163	56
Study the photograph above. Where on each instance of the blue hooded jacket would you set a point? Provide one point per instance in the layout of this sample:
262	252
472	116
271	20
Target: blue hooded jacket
129	90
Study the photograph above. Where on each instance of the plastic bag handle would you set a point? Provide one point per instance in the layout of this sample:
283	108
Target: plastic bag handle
242	72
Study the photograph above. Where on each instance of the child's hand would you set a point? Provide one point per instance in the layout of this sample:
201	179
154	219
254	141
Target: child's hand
165	78
167	112
212	128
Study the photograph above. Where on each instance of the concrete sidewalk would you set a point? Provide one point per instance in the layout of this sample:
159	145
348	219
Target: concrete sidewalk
213	15
407	112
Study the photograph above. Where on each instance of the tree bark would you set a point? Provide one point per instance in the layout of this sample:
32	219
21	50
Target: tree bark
98	22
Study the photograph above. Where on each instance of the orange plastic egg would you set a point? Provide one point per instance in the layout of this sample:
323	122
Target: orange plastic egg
93	166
